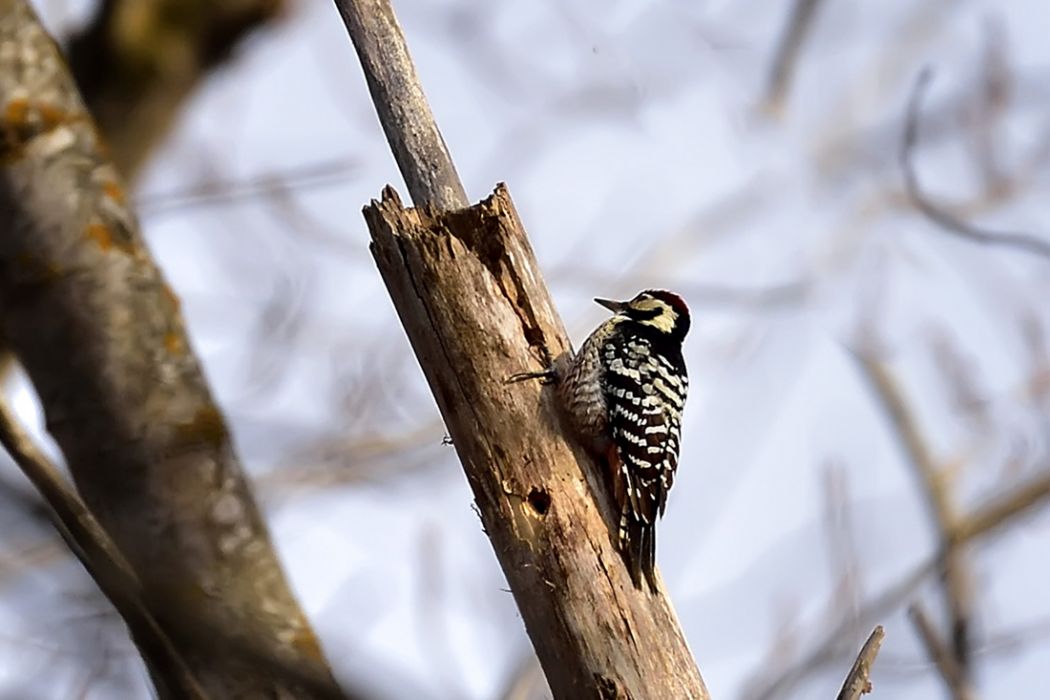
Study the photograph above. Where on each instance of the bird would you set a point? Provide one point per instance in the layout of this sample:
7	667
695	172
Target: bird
622	396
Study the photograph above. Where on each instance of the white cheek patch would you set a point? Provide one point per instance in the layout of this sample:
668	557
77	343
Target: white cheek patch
663	321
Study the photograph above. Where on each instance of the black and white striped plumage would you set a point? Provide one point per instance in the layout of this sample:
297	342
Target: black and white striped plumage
624	392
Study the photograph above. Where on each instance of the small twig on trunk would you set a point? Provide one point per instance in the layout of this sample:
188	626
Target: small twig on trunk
858	681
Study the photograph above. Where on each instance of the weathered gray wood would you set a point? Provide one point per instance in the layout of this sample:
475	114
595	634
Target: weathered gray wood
858	680
402	107
100	335
476	310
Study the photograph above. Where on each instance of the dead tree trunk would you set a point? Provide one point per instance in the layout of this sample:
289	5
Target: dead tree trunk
468	291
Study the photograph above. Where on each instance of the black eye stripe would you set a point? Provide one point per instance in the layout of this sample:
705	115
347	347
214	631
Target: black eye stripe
645	314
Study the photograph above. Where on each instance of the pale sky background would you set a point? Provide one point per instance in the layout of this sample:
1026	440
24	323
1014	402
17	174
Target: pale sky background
632	140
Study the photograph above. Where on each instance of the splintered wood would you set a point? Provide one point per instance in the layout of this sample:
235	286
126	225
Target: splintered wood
474	306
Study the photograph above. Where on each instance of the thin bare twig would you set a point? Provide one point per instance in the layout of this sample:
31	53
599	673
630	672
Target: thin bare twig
983	521
326	173
954	675
92	546
997	511
788	50
858	681
946	221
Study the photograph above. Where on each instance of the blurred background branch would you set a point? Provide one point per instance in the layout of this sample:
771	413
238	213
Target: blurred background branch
138	61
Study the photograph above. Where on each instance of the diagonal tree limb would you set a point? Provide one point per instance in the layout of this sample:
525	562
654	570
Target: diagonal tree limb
92	546
955	677
100	335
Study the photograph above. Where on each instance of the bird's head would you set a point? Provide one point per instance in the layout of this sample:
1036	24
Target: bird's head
657	309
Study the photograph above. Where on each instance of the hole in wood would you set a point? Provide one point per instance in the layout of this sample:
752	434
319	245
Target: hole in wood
540	501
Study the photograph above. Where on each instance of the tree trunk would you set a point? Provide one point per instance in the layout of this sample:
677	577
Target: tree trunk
100	335
473	303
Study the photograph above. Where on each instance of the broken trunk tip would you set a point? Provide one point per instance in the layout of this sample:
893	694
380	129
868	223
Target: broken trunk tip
390	196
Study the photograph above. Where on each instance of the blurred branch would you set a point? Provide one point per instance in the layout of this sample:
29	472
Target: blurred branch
137	61
786	295
341	462
858	681
982	521
103	342
404	113
311	176
955	677
842	554
994	83
800	22
525	681
92	546
945	220
1000	510
936	489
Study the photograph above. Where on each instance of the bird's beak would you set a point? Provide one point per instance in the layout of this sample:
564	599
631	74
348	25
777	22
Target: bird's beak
614	306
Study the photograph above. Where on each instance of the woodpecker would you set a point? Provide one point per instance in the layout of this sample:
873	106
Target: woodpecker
623	395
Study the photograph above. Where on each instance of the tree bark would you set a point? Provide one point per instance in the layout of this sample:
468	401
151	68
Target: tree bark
100	335
473	303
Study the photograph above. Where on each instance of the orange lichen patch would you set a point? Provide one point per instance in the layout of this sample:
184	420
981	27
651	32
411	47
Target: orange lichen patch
106	238
207	427
35	117
24	119
174	343
306	644
114	191
16	112
100	235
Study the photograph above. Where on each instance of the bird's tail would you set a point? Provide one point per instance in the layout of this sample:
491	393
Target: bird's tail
637	542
